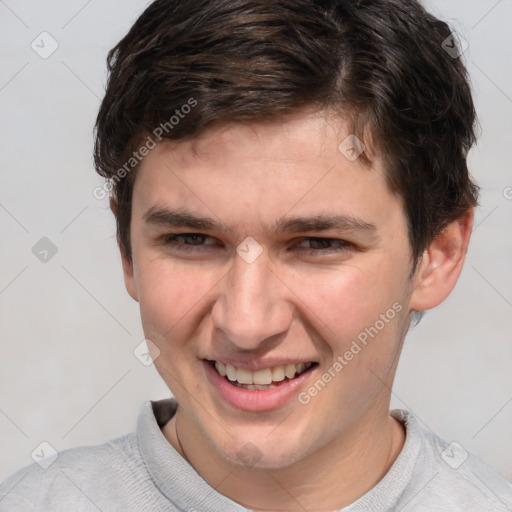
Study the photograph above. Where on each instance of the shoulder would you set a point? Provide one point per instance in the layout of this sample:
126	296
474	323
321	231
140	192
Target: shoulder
76	477
447	477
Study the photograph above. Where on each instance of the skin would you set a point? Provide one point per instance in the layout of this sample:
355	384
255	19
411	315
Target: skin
299	299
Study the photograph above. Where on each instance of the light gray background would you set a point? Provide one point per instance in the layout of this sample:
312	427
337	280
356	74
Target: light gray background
68	328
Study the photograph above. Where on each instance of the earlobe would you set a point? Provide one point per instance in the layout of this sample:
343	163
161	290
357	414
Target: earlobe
441	264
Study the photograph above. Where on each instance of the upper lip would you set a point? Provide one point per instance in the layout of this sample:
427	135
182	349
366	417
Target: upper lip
255	365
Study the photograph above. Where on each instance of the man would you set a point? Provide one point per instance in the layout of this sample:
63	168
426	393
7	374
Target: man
290	188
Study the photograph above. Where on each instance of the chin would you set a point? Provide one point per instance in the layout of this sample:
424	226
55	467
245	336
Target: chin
262	453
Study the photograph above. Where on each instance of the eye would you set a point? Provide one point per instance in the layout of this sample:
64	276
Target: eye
188	241
323	245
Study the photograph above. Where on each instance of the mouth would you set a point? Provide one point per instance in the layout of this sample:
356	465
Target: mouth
260	390
260	380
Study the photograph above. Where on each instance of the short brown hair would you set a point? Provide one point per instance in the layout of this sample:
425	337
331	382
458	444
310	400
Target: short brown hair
381	64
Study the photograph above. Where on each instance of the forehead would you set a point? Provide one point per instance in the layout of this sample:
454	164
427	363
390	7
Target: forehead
310	138
265	170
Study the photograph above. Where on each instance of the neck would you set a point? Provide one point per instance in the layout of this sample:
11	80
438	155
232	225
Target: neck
329	479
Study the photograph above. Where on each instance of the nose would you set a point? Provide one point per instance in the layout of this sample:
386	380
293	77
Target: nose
252	311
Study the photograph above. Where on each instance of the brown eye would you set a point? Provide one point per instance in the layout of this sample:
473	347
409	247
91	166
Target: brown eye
191	238
189	241
315	244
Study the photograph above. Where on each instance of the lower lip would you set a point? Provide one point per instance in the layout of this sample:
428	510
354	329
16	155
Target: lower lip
256	401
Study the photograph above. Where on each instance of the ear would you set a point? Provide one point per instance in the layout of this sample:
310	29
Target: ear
126	260
441	264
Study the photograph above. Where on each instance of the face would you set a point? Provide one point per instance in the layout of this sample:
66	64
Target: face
272	274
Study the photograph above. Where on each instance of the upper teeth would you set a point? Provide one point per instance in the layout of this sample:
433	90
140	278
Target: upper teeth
262	377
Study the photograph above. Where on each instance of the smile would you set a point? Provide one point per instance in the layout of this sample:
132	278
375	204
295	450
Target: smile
260	380
259	390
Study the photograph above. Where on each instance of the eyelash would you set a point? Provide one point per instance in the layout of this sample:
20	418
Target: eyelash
170	240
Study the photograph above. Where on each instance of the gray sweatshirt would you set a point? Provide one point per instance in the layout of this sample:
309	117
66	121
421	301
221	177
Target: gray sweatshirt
142	472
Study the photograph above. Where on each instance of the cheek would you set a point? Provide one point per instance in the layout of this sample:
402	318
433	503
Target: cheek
171	297
360	317
342	303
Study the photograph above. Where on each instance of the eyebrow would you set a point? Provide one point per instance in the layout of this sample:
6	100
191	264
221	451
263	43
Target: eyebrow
323	223
184	219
